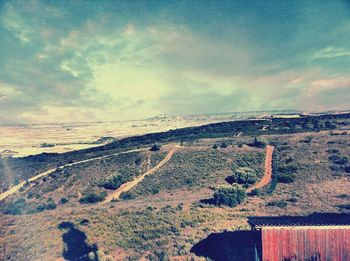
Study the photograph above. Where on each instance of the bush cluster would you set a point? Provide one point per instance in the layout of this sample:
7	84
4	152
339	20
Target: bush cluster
93	198
229	195
156	147
279	203
338	159
283	172
114	182
122	176
244	175
258	142
127	195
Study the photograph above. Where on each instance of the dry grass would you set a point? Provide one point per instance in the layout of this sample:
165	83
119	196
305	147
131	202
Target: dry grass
146	227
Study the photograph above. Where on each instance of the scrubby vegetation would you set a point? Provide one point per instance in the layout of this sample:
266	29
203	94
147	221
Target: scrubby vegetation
156	147
339	160
284	171
280	204
24	168
339	163
258	142
93	198
243	175
142	226
223	145
195	169
229	196
116	181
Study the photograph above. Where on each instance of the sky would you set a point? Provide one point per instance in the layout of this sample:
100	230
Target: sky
69	61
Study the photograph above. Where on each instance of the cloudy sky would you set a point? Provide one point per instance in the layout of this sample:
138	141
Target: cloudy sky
66	61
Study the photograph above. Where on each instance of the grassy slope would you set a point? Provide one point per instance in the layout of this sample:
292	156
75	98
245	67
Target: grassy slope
14	170
130	229
195	168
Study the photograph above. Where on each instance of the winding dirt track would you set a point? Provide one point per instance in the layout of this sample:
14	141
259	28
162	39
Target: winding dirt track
129	185
42	174
268	170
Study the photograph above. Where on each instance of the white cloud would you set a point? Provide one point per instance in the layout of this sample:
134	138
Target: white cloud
15	23
331	52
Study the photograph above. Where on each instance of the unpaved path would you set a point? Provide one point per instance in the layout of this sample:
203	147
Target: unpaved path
42	174
268	170
129	185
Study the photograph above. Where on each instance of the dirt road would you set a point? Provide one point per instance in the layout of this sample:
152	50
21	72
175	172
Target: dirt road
268	170
129	185
21	184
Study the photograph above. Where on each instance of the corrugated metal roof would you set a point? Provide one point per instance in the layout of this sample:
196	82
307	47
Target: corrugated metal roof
311	243
316	219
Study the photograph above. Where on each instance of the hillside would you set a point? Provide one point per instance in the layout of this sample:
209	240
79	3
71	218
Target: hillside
25	140
171	212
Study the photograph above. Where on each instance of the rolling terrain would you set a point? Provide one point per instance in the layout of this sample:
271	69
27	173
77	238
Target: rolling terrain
25	140
123	201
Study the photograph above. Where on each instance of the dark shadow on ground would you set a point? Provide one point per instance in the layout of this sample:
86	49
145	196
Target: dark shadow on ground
75	247
226	246
207	201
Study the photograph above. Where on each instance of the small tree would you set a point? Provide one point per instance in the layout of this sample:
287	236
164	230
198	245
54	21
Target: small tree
229	195
259	143
127	195
255	192
223	145
156	147
63	201
285	178
244	175
50	204
114	182
93	198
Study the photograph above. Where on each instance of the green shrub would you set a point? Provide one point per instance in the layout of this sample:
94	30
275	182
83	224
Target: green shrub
285	178
223	145
127	195
280	204
189	181
114	182
230	196
258	142
40	207
347	169
63	201
339	160
289	169
20	202
339	168
248	160
156	147
93	198
30	195
50	204
138	161
332	151
307	139
330	125
155	191
293	200
255	192
244	175
12	209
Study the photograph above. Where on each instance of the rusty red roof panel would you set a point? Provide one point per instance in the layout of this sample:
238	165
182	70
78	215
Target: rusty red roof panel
306	243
